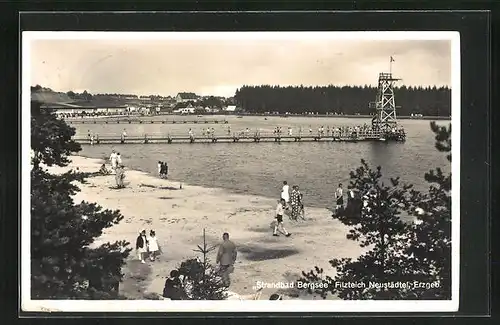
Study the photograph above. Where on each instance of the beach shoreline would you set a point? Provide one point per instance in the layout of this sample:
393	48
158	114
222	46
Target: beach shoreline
178	214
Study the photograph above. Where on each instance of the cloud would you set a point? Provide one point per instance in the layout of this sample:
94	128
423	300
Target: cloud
218	67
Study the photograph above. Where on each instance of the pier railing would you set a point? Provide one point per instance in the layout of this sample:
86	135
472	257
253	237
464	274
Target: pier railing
143	121
245	136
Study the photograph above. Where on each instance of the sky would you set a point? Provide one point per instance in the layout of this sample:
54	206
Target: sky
219	67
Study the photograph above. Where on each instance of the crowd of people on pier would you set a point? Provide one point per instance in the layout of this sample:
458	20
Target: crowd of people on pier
344	132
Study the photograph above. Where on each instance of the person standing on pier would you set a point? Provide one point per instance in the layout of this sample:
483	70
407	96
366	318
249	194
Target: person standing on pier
285	195
279	219
339	195
226	257
124	135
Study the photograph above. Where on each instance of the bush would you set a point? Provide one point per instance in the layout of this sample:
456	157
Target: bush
196	279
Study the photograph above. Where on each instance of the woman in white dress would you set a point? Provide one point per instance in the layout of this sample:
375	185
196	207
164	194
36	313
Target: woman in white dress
153	246
113	160
285	193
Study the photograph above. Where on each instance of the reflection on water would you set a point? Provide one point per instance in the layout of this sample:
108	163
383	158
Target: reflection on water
260	168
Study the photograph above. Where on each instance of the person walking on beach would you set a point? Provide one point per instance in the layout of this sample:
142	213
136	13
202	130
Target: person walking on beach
295	203
160	165
118	159
285	194
153	247
119	176
112	159
141	245
279	219
339	196
226	257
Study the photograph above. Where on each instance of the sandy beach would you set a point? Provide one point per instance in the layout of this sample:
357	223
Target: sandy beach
179	214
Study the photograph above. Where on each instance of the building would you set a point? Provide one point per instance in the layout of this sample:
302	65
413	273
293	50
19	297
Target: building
185	110
186	97
65	108
230	108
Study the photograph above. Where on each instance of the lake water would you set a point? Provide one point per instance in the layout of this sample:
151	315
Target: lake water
260	168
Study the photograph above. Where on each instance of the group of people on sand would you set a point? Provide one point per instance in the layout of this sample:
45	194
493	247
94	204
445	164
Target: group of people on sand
162	169
117	168
291	202
354	204
147	246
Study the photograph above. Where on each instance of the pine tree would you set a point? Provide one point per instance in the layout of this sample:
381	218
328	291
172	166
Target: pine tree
63	265
399	252
431	243
200	280
377	226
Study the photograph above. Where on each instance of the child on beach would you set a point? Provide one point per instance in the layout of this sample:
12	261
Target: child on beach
141	245
279	219
153	246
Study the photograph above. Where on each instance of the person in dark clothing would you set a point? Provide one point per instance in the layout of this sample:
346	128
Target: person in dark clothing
164	169
276	296
141	245
173	287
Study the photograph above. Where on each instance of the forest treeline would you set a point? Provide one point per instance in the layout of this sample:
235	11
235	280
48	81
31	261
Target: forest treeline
348	100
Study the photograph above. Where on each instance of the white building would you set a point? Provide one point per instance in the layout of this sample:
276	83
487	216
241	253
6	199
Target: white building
230	108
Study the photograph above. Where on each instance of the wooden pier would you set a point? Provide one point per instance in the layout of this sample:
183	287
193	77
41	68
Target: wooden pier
136	121
238	138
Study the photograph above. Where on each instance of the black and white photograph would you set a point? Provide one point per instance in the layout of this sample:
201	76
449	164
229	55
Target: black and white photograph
232	168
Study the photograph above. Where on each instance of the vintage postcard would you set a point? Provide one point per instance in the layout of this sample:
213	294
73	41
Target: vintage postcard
214	171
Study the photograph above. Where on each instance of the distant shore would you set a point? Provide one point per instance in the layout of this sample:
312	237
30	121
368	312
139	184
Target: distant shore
179	212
